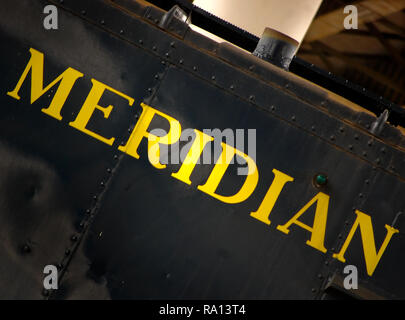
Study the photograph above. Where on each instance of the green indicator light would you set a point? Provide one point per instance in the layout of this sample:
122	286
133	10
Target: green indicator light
321	179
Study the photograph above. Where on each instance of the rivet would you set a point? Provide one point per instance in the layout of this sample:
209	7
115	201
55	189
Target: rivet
313	290
320	276
140	41
232	87
313	128
213	78
154	48
149	89
73	238
156	21
181	61
367	181
167	54
326	263
102	22
195	68
392	167
332	137
67	252
287	86
251	68
84	12
350	147
360	195
273	108
341	129
364	153
115	157
383	150
252	97
340	236
356	137
370	143
121	31
61	1
88	211
59	266
293	118
346	222
378	161
45	292
108	170
172	44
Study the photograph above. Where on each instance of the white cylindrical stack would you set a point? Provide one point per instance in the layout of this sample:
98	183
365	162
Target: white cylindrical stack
290	17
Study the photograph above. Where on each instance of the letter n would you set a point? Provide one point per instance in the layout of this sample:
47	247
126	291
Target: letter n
351	21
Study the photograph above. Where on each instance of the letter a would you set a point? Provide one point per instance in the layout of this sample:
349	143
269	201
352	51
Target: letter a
319	227
351	280
51	280
352	20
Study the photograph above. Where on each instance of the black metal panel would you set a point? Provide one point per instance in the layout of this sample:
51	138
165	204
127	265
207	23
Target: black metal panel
51	173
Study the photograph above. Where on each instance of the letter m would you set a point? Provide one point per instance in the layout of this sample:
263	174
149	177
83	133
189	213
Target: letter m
67	79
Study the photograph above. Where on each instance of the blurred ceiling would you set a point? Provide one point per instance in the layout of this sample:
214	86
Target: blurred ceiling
372	56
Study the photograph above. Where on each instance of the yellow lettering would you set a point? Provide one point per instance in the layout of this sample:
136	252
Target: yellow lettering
141	131
265	208
319	226
91	104
367	237
36	66
219	170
